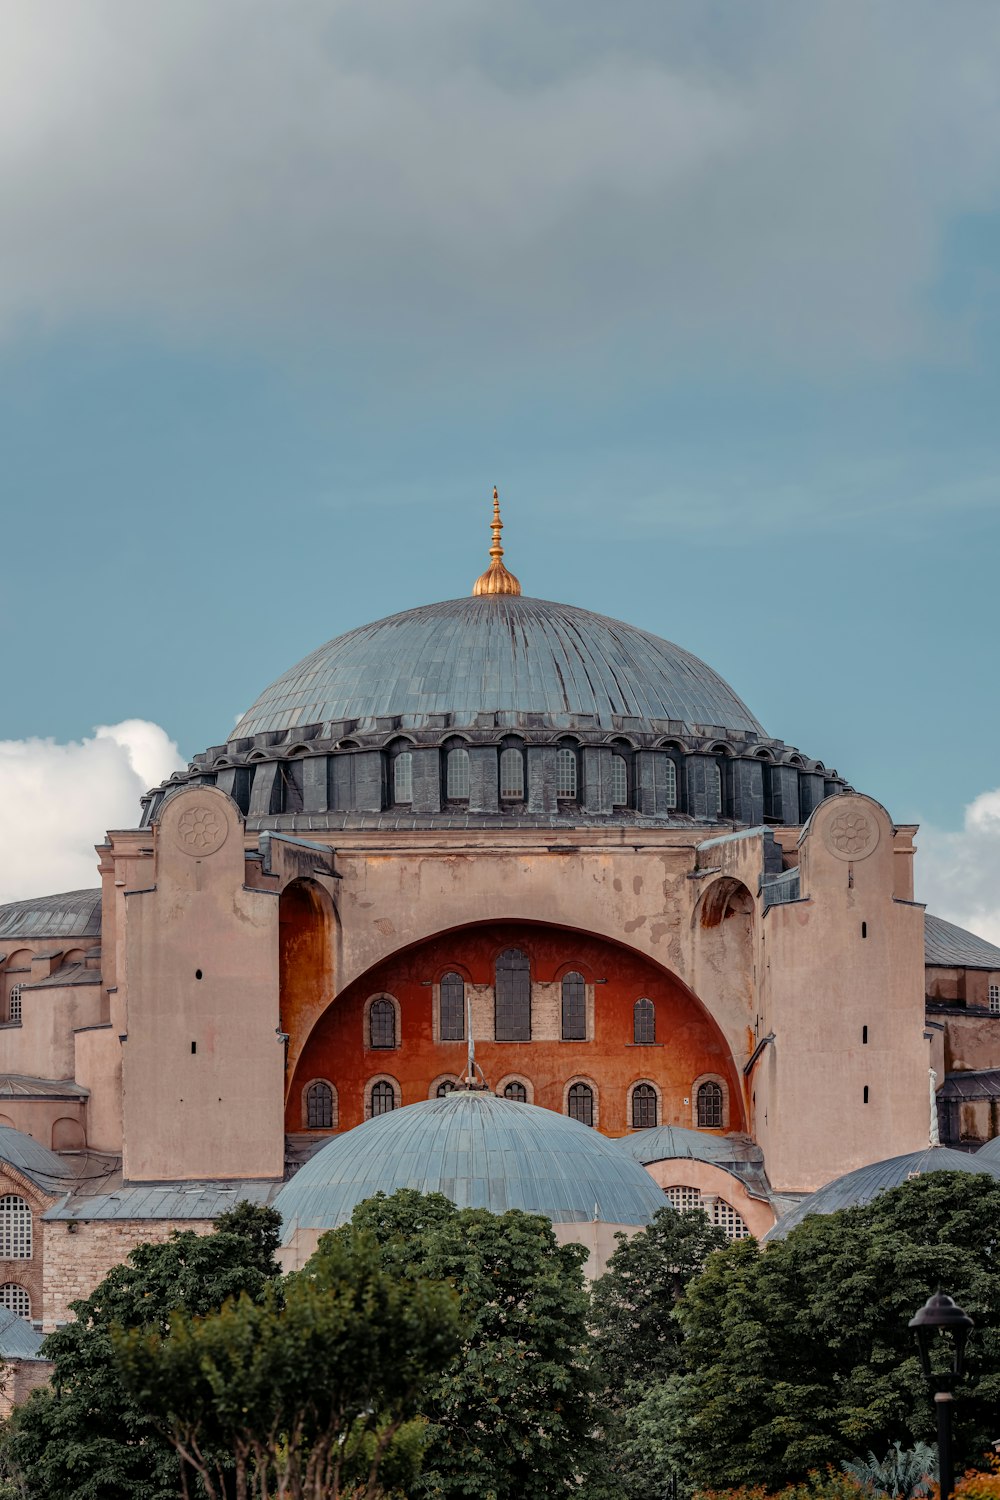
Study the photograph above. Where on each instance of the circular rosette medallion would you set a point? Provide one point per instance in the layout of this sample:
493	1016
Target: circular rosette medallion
201	830
852	833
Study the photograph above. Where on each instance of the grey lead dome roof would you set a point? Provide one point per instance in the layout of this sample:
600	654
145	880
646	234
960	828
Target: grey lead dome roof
481	1152
499	653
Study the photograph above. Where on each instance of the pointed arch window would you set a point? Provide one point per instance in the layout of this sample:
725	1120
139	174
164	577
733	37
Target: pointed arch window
580	1103
457	779
566	777
15	1228
513	997
382	1024
383	1098
512	775
516	1090
574	1008
643	1022
710	1106
452	1012
619	781
644	1111
402	777
319	1106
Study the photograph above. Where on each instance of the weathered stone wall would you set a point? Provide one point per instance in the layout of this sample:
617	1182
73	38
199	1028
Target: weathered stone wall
18	1379
79	1254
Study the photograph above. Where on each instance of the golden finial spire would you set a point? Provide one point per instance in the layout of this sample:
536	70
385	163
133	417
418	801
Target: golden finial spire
496	579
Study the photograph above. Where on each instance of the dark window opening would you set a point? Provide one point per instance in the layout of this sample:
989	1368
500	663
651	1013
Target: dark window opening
574	1008
580	1103
864	929
864	1036
452	1008
194	1048
319	1107
447	1087
382	1024
643	1106
513	997
710	1106
643	1022
866	1093
383	1098
516	1091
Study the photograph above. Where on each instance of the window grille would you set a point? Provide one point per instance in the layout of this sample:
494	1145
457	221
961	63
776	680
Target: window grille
457	789
512	775
713	788
670	783
580	1103
516	1091
513	997
722	1214
566	773
574	1008
710	1106
447	1086
14	1004
382	1024
619	781
995	999
402	777
16	1299
684	1199
319	1107
643	1022
452	1008
383	1098
643	1106
15	1228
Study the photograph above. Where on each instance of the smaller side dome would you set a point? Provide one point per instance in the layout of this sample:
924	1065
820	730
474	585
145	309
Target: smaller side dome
497	579
989	1153
675	1143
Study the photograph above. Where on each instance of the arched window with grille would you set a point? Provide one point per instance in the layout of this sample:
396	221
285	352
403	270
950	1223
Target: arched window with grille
994	999
720	1213
15	1228
516	1090
713	788
566	777
402	777
382	1024
513	997
710	1106
670	782
574	1008
14	1003
643	1022
15	1298
457	775
580	1103
452	1008
512	775
383	1098
643	1106
445	1087
619	781
319	1106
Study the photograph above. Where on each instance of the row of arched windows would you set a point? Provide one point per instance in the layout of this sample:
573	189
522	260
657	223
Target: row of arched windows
383	1096
511	783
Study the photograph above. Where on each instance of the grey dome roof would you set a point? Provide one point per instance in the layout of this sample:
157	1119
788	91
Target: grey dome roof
674	1142
481	1152
864	1184
989	1153
499	653
69	914
30	1156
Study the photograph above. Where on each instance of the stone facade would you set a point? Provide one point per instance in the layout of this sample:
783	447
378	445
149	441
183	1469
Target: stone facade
79	1254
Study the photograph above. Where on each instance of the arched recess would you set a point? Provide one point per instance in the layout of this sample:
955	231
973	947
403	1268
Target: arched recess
305	960
714	1183
725	938
68	1135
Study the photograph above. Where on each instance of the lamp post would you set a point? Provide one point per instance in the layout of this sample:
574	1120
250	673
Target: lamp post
941	1314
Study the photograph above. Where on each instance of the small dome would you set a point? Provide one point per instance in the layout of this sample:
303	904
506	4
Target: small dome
481	1152
864	1184
989	1153
674	1143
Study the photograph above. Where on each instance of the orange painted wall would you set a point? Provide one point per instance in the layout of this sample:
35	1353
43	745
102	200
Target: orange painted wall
688	1042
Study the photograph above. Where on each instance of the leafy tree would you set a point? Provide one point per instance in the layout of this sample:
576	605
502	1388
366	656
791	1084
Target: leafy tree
85	1437
514	1415
311	1392
800	1355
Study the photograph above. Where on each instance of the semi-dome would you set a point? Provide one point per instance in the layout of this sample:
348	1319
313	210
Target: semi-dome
481	1152
676	1143
500	653
864	1184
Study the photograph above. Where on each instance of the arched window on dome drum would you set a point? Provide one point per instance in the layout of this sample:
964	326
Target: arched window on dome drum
566	778
383	1098
444	1088
14	1003
382	1024
619	781
513	997
15	1298
402	777
457	779
710	1106
643	1106
319	1106
670	782
574	1008
512	775
580	1103
15	1228
516	1091
452	1015
713	788
643	1022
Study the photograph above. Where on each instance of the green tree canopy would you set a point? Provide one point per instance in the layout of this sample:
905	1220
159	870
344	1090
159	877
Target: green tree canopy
84	1437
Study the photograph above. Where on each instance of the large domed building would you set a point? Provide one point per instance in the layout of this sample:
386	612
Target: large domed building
499	819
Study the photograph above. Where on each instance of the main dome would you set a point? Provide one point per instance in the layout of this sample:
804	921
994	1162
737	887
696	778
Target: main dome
500	653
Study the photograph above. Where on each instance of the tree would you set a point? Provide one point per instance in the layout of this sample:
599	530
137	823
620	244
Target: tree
84	1437
799	1355
514	1414
311	1392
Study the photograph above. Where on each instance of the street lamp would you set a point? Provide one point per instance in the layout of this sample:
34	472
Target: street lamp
942	1314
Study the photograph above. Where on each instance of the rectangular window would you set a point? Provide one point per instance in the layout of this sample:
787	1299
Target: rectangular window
574	1008
513	997
995	999
452	1008
566	773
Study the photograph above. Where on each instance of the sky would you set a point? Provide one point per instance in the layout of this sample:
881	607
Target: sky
710	290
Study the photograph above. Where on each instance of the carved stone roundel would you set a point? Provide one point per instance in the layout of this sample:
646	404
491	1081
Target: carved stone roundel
852	834
201	830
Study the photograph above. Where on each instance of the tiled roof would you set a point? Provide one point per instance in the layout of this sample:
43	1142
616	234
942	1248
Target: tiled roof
23	1086
949	947
71	914
18	1340
981	1083
172	1200
32	1158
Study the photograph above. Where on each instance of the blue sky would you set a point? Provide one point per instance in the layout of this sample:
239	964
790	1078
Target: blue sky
712	292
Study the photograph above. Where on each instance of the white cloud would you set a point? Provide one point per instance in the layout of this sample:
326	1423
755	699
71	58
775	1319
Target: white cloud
959	873
749	176
57	801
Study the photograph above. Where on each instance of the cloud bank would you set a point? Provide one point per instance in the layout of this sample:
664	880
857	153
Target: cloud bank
56	801
959	873
751	176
